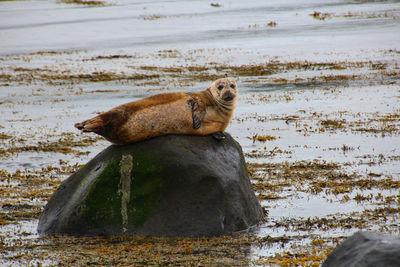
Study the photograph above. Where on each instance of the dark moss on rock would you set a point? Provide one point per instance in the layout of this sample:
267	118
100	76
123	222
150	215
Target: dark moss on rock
168	186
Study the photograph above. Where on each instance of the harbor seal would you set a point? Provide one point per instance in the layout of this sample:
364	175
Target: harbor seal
194	113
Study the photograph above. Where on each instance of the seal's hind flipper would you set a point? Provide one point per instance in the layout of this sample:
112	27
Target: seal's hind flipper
79	125
101	124
198	112
92	125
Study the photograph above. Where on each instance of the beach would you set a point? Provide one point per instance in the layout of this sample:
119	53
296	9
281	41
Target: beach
318	117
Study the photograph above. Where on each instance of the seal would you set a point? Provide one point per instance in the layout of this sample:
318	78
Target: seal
193	113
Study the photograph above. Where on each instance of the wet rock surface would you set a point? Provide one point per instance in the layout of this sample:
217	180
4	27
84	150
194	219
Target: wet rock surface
366	249
168	186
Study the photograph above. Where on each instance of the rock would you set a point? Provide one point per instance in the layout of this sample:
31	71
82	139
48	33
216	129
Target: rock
167	186
366	249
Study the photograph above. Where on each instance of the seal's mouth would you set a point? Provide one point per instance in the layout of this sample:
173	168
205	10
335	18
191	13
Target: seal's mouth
228	96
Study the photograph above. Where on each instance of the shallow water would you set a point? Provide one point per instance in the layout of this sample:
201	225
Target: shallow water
324	87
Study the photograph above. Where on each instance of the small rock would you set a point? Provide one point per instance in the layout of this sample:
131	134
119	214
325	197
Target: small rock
167	186
365	249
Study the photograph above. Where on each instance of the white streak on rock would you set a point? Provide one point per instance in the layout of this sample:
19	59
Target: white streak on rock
126	165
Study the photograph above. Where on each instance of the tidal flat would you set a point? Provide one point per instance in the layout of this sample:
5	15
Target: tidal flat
318	117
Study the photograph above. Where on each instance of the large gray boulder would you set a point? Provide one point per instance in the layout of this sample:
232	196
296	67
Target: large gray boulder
167	186
366	249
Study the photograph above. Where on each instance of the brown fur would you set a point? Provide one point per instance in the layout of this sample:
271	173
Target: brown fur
168	113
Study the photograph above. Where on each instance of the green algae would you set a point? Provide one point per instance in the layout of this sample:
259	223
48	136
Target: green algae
148	186
104	202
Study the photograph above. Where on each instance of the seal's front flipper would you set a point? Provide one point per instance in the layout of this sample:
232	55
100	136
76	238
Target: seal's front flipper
196	122
219	136
198	112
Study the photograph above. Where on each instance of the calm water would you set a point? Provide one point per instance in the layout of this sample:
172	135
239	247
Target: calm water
30	26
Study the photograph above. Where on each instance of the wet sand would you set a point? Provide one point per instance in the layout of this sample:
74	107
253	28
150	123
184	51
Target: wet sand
318	117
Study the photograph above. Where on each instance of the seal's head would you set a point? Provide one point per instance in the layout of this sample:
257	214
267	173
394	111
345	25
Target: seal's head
225	92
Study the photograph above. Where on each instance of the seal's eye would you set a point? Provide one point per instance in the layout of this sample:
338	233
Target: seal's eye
220	87
232	86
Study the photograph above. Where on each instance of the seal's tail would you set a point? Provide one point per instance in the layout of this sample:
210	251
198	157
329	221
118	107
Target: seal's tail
95	125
